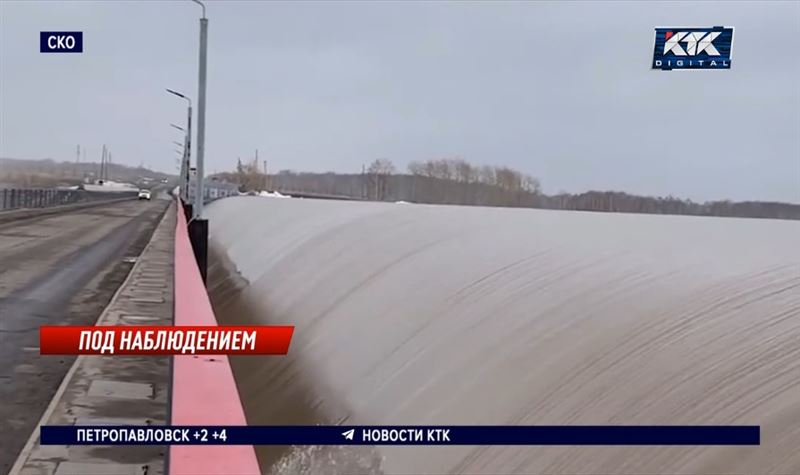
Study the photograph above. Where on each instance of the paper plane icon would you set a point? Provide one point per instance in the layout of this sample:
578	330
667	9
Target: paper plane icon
349	434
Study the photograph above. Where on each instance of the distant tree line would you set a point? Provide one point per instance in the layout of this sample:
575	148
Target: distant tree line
49	173
460	171
458	182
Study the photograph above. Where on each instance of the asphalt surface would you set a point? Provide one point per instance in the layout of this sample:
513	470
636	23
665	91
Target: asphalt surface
58	269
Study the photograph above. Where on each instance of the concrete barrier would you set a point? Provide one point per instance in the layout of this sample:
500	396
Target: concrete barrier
203	389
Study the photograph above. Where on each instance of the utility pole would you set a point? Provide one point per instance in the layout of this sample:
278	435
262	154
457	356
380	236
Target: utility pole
266	185
102	164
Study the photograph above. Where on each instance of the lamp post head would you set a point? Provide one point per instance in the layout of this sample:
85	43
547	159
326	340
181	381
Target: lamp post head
180	95
201	4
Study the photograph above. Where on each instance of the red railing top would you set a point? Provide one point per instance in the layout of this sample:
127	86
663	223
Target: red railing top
204	391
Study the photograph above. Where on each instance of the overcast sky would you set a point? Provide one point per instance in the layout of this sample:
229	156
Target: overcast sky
562	91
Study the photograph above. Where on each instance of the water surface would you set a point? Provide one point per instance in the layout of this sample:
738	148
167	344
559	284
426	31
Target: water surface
415	314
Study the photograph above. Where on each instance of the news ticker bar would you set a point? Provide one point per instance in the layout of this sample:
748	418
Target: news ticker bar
165	340
400	435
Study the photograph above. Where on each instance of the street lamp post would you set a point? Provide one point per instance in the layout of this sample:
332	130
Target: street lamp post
197	226
201	111
185	164
182	163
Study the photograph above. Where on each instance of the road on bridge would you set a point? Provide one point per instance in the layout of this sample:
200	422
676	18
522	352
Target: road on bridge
57	269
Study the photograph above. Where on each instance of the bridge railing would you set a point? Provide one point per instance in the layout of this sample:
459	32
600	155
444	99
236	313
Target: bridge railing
203	389
29	198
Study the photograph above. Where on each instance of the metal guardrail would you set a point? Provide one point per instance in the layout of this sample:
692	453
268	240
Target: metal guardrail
28	198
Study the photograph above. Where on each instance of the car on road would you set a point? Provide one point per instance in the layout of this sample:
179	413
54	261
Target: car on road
144	195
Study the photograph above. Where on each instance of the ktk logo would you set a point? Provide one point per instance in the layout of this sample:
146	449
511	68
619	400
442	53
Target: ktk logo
696	43
693	48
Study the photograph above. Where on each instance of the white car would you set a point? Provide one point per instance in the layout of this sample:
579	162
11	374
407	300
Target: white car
144	195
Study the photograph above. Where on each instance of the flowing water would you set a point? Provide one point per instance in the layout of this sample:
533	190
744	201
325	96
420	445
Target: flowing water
415	314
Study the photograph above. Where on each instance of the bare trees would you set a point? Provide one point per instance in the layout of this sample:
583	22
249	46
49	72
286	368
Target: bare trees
248	176
444	181
381	166
378	174
49	173
461	171
456	181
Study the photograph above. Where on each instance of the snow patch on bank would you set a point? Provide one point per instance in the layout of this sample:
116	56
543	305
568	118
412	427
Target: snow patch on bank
272	194
110	186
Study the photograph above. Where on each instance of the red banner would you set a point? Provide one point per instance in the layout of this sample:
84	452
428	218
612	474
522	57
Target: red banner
163	340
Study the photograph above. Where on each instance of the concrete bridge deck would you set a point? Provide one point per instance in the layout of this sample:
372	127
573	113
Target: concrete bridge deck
121	390
58	269
163	287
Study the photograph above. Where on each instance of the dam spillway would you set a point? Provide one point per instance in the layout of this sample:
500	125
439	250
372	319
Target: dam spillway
423	314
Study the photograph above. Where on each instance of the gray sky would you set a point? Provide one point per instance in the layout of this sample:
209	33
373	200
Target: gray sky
562	91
